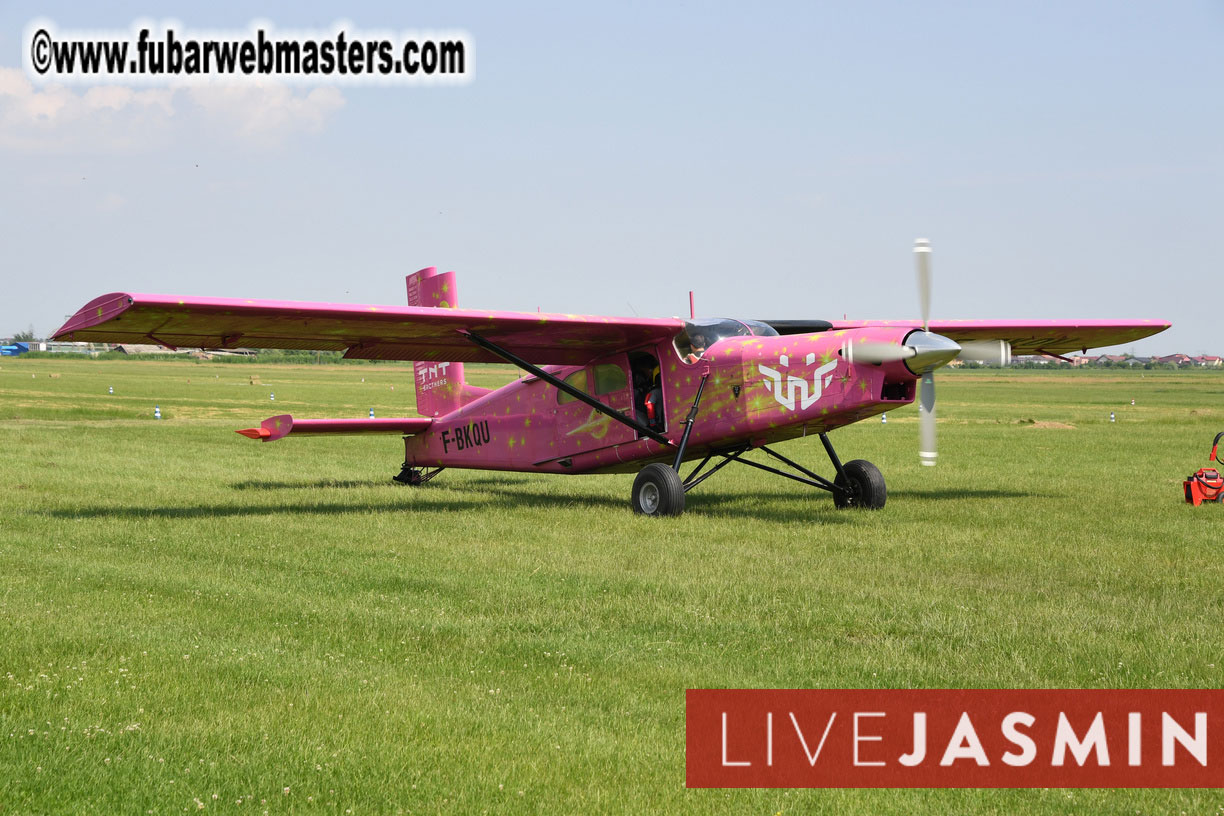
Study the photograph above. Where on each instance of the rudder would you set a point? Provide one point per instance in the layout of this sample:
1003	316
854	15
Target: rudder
440	387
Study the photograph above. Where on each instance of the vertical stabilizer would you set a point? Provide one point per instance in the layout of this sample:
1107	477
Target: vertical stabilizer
440	387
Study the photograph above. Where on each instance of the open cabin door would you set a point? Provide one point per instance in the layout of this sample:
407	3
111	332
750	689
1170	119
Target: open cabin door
579	428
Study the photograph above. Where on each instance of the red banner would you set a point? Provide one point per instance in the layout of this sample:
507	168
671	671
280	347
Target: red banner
945	738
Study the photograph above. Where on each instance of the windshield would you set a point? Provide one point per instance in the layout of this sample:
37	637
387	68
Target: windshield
700	334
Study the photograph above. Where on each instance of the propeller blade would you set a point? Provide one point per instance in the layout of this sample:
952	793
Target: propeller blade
866	351
926	419
922	255
991	352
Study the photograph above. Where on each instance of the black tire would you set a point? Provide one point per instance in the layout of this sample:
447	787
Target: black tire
866	486
658	491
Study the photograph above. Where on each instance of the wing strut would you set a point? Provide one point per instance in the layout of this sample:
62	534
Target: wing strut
688	423
561	385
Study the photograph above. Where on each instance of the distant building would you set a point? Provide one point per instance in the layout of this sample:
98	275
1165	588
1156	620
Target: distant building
149	348
1130	360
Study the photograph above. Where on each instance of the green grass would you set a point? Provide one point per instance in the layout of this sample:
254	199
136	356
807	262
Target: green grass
185	614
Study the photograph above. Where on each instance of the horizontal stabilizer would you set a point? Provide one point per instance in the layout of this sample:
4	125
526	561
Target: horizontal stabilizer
278	427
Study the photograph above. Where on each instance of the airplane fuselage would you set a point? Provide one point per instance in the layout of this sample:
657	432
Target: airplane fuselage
759	389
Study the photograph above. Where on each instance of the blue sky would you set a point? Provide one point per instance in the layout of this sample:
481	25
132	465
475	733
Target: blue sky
1065	160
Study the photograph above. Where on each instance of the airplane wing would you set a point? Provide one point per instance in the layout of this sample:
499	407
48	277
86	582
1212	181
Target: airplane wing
362	332
1031	336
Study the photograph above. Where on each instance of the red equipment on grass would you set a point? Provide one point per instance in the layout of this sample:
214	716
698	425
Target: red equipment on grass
1206	484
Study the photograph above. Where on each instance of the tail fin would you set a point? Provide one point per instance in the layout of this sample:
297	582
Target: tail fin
440	387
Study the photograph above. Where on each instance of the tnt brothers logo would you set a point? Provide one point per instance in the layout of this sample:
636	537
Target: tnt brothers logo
431	375
794	390
935	738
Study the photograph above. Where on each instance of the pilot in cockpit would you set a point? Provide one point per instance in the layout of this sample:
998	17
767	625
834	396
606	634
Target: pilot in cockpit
698	335
698	345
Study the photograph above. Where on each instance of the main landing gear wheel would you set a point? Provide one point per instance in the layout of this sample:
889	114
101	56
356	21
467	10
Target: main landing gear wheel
865	488
658	491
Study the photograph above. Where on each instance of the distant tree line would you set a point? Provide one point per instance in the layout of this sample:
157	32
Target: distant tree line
264	356
1060	365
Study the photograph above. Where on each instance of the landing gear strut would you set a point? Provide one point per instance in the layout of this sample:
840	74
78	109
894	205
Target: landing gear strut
659	489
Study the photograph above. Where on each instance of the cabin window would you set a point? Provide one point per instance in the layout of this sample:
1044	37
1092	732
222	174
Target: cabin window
609	378
578	380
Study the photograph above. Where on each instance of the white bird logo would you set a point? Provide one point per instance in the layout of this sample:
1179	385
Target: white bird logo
797	386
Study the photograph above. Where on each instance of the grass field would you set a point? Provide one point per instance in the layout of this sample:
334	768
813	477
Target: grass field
190	620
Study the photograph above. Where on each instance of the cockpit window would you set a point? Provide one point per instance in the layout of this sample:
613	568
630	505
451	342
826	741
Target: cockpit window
699	335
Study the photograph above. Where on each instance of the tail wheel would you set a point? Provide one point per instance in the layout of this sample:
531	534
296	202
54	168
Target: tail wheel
410	476
658	491
862	486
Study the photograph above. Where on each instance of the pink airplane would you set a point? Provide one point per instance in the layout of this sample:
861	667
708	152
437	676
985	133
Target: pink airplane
611	394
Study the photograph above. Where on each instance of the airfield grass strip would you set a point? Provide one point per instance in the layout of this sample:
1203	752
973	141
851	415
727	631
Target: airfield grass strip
190	620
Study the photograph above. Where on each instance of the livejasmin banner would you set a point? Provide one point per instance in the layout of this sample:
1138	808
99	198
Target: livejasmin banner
945	738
